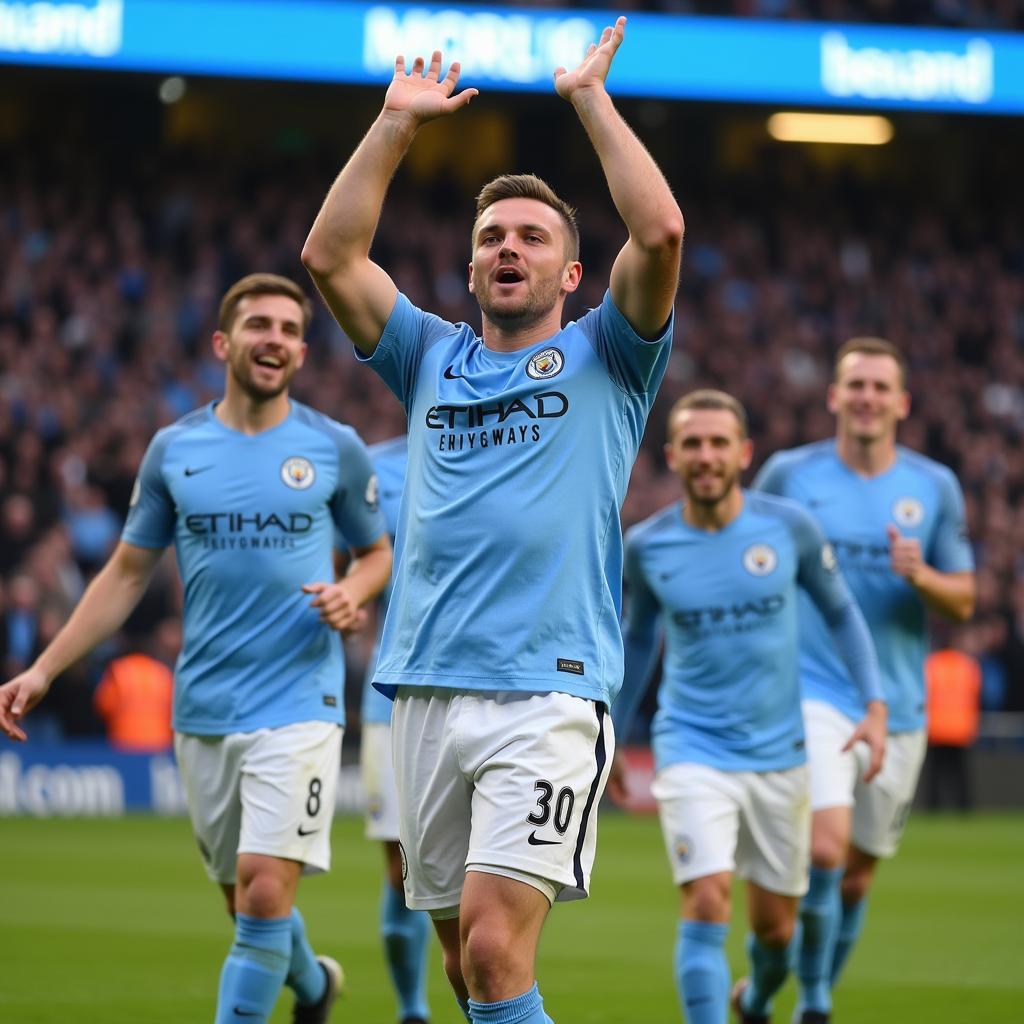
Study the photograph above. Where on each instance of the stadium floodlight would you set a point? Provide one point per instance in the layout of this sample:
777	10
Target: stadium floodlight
840	129
172	89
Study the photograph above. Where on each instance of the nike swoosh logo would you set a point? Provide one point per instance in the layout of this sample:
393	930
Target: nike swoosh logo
534	841
448	375
698	1000
307	832
247	1013
192	472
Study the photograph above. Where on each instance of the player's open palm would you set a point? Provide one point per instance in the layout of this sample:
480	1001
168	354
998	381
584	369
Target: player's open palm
593	69
425	97
18	697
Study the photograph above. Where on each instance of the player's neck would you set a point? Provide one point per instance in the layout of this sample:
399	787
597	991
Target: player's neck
248	415
507	338
714	517
866	458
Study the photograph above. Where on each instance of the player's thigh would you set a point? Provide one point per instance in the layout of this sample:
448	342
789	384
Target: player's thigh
211	776
774	846
288	792
378	776
434	799
699	809
833	771
883	805
539	764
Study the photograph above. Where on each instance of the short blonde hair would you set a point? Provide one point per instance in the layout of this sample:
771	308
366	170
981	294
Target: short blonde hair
261	284
529	186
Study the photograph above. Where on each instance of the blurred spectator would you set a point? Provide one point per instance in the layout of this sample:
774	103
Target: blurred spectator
134	699
954	690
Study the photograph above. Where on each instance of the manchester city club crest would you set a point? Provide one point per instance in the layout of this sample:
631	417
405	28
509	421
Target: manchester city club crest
760	559
828	557
545	364
908	512
298	473
683	846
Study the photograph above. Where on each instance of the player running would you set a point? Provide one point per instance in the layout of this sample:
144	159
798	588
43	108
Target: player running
250	491
719	572
405	933
896	522
502	636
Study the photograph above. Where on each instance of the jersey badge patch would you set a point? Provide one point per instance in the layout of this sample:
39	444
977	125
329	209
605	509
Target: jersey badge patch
545	364
372	495
760	559
684	849
828	557
908	512
298	473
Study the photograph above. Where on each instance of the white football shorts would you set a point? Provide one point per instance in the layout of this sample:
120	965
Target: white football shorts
880	807
501	782
378	774
756	824
270	791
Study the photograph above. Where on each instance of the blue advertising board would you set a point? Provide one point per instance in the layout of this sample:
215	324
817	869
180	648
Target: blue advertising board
505	48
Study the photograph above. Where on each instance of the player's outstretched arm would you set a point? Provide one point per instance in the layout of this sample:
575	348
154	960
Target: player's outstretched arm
340	603
359	293
106	603
646	271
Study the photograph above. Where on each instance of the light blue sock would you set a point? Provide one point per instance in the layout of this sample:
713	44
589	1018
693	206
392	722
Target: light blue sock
464	1007
525	1009
405	933
254	970
769	966
702	972
819	917
305	975
850	924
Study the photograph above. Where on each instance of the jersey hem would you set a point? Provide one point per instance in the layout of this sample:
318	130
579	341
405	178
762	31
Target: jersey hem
194	728
530	684
726	766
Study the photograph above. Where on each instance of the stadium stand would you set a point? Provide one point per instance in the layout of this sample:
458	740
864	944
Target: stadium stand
116	241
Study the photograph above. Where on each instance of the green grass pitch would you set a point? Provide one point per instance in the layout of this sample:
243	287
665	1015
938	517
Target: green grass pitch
113	922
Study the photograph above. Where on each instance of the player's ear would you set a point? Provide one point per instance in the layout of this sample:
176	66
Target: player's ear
830	400
903	408
572	276
219	344
301	356
470	278
671	458
746	453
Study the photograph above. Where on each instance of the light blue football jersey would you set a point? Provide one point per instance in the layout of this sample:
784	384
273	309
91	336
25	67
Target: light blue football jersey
252	519
508	558
389	462
922	499
726	602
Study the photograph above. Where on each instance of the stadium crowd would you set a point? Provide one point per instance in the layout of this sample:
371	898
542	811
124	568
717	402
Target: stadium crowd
108	295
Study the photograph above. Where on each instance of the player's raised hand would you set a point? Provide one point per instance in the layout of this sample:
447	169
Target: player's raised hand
593	69
338	609
905	556
18	697
873	729
424	97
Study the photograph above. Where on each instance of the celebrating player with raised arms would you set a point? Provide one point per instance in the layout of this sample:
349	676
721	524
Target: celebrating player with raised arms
720	571
502	637
896	522
250	491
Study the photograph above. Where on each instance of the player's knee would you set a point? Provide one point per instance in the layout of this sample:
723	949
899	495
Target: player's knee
775	934
855	886
489	958
828	850
264	895
708	903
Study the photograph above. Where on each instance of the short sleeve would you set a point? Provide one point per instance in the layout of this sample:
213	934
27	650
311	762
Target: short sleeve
151	509
634	364
408	333
355	507
951	547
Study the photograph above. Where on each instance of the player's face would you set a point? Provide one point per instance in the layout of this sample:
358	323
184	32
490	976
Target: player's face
708	453
868	398
263	347
520	270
